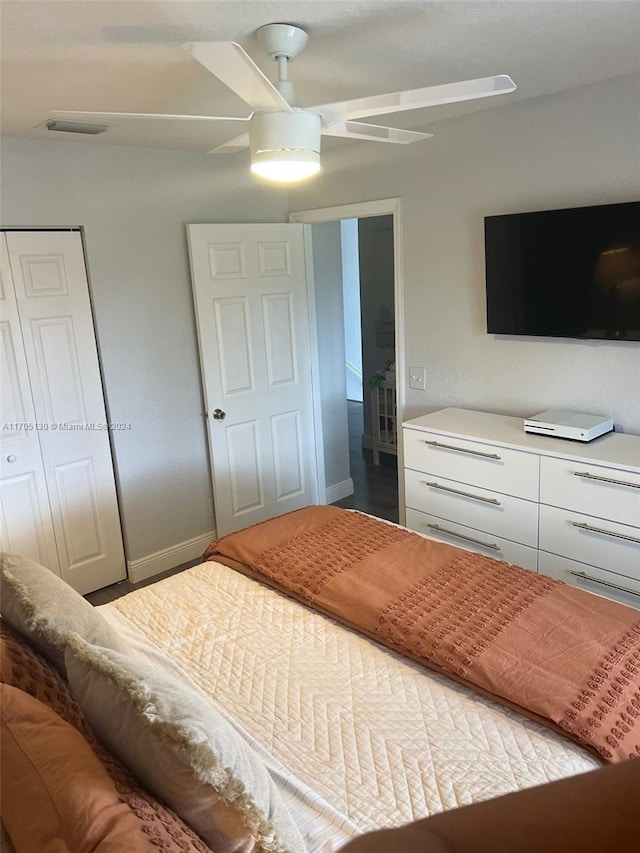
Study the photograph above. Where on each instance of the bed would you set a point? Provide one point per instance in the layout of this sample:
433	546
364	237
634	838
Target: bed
362	718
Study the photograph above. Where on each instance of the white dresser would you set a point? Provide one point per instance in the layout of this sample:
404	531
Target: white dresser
562	508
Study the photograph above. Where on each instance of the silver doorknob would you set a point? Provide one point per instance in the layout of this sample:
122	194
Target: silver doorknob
11	458
219	415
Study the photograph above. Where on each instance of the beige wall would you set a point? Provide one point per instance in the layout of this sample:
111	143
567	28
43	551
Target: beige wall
579	147
133	204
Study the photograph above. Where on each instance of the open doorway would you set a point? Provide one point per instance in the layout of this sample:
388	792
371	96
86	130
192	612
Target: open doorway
369	332
354	295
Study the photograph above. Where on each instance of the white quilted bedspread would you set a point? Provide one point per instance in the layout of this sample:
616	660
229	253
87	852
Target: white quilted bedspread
381	739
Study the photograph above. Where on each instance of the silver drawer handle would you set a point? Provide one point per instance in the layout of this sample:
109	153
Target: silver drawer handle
587	577
602	532
588	476
462	450
439	529
493	501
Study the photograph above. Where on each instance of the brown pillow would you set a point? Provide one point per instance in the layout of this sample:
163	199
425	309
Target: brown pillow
24	668
55	793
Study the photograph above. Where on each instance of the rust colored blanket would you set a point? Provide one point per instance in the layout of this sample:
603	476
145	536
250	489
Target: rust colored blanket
564	656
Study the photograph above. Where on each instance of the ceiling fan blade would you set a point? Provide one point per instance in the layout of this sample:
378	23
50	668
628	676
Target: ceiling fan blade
359	130
238	143
90	114
414	99
231	64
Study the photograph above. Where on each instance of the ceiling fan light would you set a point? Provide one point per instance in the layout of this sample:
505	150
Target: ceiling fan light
285	147
285	166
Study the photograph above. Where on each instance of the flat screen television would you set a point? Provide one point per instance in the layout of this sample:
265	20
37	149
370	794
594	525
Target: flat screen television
572	273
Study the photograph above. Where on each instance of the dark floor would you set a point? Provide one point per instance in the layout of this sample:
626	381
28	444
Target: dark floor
117	590
376	486
376	492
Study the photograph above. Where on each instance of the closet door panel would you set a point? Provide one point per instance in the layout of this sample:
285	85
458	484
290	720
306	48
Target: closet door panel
26	526
57	325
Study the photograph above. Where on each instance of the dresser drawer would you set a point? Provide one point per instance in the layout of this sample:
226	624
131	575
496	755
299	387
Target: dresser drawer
591	579
501	515
595	541
603	492
472	540
485	465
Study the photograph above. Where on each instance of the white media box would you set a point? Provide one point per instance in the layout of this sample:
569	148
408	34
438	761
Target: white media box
573	425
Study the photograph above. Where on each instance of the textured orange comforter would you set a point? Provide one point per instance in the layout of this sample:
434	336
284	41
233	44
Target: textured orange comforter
564	656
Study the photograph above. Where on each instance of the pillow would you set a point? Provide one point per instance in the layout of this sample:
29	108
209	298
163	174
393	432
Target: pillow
181	747
44	609
55	793
24	668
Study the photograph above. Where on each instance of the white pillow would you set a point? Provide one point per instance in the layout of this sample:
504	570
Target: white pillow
45	610
182	749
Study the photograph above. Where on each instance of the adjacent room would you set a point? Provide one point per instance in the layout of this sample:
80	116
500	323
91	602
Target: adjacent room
320	425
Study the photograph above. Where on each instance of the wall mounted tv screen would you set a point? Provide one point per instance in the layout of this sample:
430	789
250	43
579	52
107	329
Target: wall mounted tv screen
571	273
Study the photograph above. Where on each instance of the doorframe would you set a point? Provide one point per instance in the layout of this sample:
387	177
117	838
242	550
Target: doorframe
362	210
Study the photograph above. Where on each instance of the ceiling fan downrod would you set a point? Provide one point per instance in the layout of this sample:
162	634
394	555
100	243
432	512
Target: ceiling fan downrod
283	84
283	42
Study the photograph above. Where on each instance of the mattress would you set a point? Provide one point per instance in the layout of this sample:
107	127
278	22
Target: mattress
356	737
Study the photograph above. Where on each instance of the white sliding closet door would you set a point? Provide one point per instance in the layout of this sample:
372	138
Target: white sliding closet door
52	300
25	519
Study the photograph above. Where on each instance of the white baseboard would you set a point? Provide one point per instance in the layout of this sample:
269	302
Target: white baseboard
339	490
169	558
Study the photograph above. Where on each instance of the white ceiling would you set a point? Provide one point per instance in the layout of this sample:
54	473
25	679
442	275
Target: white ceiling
126	55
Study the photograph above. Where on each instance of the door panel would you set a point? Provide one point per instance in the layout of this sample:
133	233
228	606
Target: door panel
26	526
249	285
245	467
226	261
234	350
280	336
77	499
58	370
52	299
288	455
274	259
25	521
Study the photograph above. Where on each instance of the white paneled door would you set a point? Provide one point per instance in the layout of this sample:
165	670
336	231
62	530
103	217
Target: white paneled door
250	293
55	408
26	526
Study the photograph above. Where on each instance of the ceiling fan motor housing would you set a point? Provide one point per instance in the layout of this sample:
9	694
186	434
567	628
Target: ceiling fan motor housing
299	131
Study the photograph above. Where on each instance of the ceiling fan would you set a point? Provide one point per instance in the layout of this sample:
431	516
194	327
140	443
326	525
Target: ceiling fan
284	138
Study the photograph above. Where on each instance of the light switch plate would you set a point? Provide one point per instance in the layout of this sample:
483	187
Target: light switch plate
418	378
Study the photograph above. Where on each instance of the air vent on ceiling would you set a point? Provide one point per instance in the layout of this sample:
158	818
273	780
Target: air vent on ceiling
76	127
